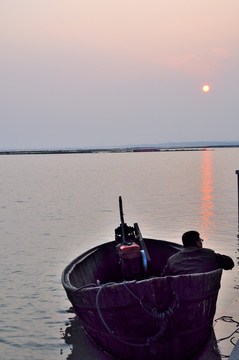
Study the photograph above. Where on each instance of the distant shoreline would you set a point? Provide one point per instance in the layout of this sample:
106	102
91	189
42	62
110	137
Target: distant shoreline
114	150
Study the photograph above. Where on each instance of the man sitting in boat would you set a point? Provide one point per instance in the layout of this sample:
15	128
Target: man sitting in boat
194	258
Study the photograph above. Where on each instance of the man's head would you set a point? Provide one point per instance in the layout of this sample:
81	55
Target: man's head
192	238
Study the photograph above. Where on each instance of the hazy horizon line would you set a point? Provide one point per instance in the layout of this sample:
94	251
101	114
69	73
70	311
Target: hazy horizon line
166	145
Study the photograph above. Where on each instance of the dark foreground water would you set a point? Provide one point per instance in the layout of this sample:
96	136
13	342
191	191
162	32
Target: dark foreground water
54	207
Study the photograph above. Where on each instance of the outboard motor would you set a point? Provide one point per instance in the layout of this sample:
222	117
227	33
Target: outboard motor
128	250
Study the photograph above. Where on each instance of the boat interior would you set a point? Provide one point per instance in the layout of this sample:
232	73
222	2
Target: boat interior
103	264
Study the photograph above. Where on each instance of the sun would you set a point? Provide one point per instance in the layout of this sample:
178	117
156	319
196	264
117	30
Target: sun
206	88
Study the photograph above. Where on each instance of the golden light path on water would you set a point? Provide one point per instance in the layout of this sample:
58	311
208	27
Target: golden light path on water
207	205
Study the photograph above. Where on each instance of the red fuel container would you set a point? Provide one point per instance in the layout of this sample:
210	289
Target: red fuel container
130	256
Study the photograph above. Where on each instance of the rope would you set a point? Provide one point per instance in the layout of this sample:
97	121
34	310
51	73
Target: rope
104	322
231	337
229	319
163	316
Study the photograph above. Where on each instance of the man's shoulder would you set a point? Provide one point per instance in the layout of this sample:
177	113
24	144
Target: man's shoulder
191	251
207	250
194	251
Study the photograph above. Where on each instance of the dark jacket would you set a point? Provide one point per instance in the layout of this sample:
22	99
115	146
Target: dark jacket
196	260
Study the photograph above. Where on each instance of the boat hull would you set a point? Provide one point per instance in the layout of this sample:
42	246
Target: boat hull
164	318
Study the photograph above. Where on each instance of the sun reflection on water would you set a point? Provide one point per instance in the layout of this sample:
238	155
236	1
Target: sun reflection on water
207	204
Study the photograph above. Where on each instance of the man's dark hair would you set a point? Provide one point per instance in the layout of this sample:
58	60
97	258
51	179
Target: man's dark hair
190	238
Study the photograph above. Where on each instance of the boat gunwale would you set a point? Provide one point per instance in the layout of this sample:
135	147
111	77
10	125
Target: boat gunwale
75	262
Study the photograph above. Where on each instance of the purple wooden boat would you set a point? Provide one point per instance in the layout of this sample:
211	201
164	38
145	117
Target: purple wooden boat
129	310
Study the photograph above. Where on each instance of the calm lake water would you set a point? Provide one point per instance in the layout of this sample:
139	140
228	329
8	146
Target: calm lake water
53	207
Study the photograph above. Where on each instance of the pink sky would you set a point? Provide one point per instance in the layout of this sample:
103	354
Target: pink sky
115	64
